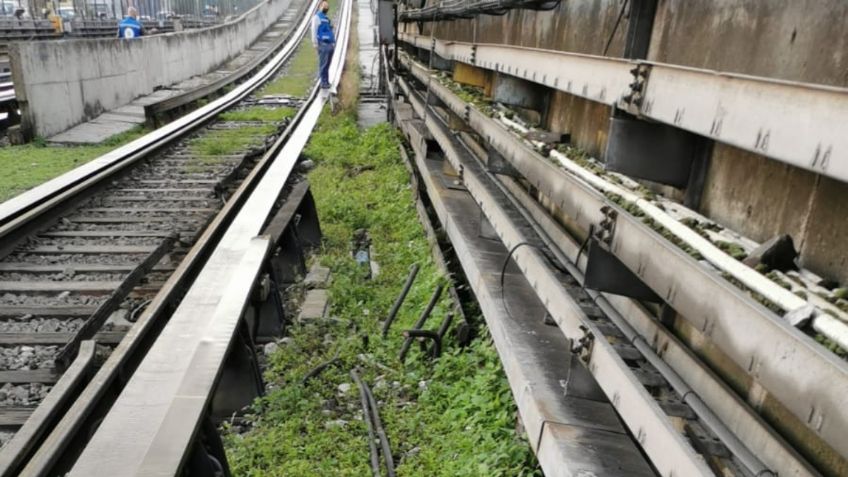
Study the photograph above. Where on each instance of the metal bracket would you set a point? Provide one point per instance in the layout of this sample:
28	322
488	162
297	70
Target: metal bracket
497	164
486	230
652	151
207	456
241	380
632	102
288	260
606	229
266	318
606	273
308	224
583	348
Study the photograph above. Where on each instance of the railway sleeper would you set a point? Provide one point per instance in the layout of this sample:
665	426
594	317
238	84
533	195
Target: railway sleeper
254	295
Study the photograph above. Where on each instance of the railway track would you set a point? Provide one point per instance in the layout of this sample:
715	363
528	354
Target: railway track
167	256
106	259
117	241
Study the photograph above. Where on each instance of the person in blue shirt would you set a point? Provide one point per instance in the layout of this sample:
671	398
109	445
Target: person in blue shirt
324	41
130	27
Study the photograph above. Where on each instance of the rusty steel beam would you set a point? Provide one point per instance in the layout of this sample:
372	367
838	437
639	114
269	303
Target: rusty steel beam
800	124
807	388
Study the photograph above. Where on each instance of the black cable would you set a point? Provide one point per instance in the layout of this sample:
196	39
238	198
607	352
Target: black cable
551	261
584	244
615	27
503	274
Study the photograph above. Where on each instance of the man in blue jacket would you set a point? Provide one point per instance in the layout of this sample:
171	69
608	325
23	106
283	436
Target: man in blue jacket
130	27
324	41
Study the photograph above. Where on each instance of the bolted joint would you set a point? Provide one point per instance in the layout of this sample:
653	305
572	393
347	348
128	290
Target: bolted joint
263	289
583	347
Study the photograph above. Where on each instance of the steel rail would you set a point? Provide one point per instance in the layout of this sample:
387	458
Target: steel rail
186	97
197	364
792	122
777	359
571	427
775	449
37	202
128	353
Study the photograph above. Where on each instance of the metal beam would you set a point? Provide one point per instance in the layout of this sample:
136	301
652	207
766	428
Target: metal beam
568	426
758	436
800	124
812	383
665	446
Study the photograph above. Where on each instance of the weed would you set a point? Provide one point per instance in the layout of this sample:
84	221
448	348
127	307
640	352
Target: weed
734	250
299	76
224	142
451	417
258	113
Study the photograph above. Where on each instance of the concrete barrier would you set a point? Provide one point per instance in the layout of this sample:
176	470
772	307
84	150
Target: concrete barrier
62	83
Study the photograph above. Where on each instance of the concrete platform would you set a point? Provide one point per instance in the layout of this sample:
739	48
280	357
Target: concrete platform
314	306
129	116
318	277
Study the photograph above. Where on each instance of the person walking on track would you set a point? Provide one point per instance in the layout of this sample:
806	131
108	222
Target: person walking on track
324	42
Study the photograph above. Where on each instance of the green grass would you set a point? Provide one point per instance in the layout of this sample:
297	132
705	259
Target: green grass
460	422
29	165
301	72
258	113
298	77
223	142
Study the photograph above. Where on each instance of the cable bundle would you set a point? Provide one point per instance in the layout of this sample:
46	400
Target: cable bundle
458	9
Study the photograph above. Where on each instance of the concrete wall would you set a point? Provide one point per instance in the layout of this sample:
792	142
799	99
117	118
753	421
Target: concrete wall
803	40
62	83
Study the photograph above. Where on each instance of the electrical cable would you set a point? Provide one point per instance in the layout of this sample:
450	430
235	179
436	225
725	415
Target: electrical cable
584	244
615	27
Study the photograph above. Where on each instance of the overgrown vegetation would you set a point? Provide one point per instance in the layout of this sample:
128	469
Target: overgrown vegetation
299	76
258	113
208	148
451	417
29	165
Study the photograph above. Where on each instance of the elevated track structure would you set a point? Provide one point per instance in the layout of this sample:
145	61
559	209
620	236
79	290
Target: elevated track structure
618	268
